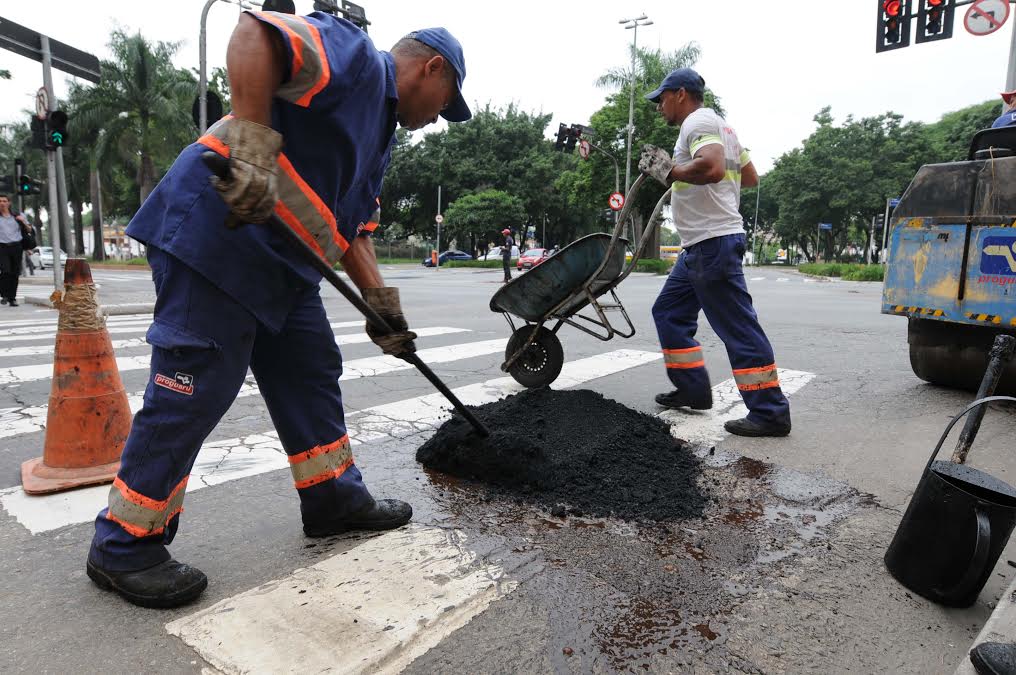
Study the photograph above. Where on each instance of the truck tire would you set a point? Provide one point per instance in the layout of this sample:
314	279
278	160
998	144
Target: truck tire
955	355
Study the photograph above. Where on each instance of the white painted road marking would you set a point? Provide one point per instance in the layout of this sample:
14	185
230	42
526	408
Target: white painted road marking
354	339
372	609
706	427
222	461
29	334
19	421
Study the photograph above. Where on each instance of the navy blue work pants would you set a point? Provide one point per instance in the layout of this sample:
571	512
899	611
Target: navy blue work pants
708	276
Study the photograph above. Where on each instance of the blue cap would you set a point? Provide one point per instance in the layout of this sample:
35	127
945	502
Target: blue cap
682	78
447	46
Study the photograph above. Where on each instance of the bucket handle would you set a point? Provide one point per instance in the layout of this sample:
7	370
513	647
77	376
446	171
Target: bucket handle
982	545
945	434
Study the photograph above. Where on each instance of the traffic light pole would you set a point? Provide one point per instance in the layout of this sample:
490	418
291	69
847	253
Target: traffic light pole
1010	79
51	172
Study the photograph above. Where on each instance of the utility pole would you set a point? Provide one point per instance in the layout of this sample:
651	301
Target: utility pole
871	241
439	219
632	25
1010	79
51	174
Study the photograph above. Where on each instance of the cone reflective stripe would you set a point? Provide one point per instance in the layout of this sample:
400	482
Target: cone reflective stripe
142	516
683	358
89	417
321	463
754	379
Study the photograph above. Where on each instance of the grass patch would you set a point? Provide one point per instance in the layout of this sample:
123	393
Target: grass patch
844	271
399	261
654	265
136	261
484	264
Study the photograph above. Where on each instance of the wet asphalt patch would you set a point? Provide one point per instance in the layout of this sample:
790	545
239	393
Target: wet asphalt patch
575	452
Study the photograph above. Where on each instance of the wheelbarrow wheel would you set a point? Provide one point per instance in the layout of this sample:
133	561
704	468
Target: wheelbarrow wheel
541	363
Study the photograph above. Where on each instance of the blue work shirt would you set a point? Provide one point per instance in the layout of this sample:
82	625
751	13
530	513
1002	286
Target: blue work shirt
1006	120
336	111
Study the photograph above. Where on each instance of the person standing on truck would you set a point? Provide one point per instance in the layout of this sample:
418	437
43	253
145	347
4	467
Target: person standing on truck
506	254
706	173
1008	116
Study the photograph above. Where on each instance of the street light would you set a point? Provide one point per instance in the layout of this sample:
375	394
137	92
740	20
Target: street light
202	59
632	25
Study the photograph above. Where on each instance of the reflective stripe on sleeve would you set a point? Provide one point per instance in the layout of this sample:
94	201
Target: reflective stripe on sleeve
309	72
703	141
321	463
305	211
143	516
753	379
745	158
683	359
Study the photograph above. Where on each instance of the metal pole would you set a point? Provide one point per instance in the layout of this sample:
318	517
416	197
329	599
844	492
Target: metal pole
1010	78
754	229
818	241
437	263
885	229
631	108
54	227
871	242
61	193
202	66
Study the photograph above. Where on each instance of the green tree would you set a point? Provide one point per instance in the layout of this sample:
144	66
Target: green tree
480	216
142	106
950	136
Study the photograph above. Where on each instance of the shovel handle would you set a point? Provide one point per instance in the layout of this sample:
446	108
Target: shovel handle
219	165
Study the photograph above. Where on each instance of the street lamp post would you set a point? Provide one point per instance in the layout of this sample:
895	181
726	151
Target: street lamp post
632	25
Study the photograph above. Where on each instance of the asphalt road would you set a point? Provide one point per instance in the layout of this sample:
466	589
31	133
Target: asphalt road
783	574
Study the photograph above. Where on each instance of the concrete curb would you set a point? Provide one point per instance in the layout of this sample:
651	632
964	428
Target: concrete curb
1000	627
105	310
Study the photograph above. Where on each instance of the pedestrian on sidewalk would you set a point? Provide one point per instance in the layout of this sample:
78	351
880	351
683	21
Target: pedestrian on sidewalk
506	254
12	228
706	173
229	298
29	263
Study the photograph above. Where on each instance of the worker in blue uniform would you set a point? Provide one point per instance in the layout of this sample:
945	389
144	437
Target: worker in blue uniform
315	108
705	174
1008	116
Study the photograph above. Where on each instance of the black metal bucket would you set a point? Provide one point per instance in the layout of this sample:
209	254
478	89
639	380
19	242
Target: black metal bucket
954	530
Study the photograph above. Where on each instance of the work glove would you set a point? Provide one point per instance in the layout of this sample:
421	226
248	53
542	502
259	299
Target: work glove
656	163
251	189
385	301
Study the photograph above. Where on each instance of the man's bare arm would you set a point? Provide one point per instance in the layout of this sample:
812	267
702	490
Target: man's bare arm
255	62
749	176
360	263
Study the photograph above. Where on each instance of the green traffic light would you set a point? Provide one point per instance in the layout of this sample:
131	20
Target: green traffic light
57	138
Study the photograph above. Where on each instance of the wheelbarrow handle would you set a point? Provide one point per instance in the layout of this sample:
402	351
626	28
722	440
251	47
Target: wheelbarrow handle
219	166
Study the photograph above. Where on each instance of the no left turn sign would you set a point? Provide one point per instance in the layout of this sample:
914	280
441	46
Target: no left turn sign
616	201
584	149
984	17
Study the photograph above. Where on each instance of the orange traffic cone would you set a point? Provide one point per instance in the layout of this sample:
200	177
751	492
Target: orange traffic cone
89	417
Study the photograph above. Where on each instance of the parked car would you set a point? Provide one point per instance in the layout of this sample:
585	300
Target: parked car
532	258
495	253
445	257
46	257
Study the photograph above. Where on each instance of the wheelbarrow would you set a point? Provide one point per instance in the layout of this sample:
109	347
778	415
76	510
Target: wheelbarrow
558	289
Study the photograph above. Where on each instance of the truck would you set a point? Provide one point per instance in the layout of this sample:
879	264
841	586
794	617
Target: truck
951	264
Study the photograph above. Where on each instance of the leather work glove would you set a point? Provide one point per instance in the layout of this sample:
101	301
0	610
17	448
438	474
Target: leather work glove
385	301
251	189
656	163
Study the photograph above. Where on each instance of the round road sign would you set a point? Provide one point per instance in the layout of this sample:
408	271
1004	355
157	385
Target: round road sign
984	17
41	103
584	149
616	201
439	219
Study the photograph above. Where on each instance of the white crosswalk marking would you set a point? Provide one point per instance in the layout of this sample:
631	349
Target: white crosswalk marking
355	339
234	458
18	421
41	333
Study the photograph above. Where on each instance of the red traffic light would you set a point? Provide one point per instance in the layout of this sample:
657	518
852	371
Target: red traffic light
936	3
892	7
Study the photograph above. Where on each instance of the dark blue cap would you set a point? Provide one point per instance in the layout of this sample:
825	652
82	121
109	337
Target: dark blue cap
447	46
682	78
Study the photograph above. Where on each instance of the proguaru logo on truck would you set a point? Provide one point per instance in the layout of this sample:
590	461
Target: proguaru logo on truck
998	261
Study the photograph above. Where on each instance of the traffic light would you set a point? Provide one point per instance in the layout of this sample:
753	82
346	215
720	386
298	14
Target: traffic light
573	136
38	127
56	129
28	186
562	136
893	24
935	20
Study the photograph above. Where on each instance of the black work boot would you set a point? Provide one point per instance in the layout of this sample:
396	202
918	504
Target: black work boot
746	427
168	584
994	658
379	514
678	399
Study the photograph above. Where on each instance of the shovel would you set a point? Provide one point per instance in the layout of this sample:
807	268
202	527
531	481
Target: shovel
220	167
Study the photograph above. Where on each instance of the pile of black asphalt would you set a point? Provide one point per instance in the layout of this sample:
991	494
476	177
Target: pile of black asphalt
573	451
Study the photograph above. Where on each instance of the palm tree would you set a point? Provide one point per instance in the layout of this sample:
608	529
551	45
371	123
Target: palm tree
141	105
651	66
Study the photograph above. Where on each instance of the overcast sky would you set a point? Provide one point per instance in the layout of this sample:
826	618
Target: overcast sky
773	65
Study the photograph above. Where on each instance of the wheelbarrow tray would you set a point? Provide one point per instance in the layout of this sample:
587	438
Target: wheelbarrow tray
559	278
